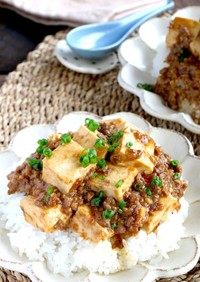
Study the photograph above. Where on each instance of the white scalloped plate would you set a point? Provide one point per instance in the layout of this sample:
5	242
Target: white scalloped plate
139	55
180	261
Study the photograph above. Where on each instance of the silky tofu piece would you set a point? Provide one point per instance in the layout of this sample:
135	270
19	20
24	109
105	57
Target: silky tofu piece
114	174
87	139
137	156
42	218
84	223
169	204
63	169
192	25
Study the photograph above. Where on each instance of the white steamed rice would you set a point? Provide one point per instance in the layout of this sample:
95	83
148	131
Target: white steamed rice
51	247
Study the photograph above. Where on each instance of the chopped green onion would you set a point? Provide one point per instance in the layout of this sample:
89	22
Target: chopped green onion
47	152
95	175
66	138
102	177
122	204
91	124
40	149
137	186
119	183
92	154
113	147
120	211
48	194
100	194
96	202
156	181
89	157
107	214
101	163
35	163
84	160
100	143
42	142
184	53
129	144
177	176
49	190
115	137
148	191
113	226
145	86
174	163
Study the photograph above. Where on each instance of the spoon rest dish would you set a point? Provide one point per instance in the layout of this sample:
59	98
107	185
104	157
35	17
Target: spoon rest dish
76	63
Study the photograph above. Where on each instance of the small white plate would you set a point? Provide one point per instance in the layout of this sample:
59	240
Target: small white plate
140	55
74	62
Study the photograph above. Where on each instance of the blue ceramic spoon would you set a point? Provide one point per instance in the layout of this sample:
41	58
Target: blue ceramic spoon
94	41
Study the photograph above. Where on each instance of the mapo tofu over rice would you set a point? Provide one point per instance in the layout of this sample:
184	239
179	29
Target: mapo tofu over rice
107	180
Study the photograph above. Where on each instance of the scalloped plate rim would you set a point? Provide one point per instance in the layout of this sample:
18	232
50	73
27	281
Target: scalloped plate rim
25	267
179	117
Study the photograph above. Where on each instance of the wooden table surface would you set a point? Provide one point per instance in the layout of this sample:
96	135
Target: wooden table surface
19	35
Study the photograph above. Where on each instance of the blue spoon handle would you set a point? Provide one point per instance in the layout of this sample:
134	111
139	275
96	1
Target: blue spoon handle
142	17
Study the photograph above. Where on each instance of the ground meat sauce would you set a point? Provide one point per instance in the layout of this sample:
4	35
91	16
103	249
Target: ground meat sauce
179	83
128	223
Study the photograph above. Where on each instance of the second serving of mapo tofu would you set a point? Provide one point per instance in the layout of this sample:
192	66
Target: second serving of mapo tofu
107	180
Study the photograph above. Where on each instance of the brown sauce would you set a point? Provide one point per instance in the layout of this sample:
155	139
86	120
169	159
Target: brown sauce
179	83
29	181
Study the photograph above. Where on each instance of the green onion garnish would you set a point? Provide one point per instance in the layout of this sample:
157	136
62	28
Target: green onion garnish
174	163
137	186
107	214
42	142
101	163
156	181
115	137
184	53
91	124
148	191
113	147
120	211
119	183
100	143
122	204
95	175
47	152
177	176
129	144
97	200
84	160
35	163
66	138
40	149
113	226
89	157
48	193
145	86
102	177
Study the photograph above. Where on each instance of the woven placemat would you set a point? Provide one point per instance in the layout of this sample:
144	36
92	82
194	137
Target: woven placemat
41	90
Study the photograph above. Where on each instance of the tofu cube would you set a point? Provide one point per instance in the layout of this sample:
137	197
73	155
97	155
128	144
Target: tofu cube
115	173
168	204
63	169
87	139
84	223
192	25
43	218
125	156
